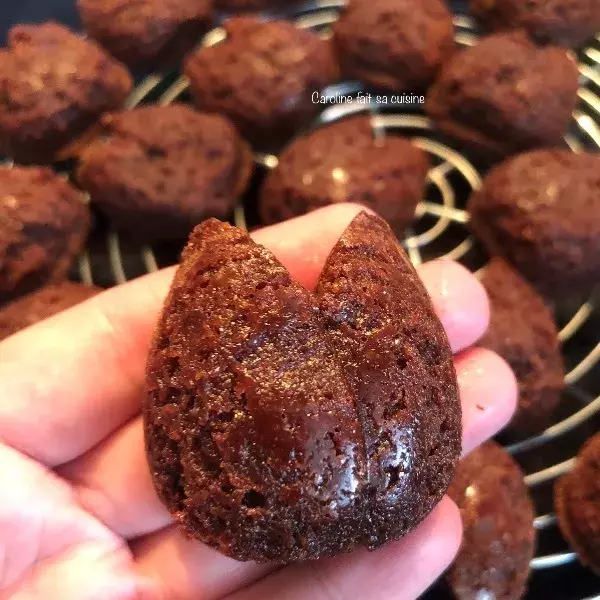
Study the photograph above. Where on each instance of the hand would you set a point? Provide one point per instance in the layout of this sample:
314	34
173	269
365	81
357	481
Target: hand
79	518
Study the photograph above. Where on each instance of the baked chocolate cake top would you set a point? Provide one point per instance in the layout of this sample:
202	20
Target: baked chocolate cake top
563	22
523	332
263	76
505	94
54	84
146	32
394	44
577	503
43	303
541	211
159	171
499	537
43	225
284	425
345	162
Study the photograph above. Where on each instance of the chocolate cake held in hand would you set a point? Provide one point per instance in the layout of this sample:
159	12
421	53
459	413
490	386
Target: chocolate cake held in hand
283	424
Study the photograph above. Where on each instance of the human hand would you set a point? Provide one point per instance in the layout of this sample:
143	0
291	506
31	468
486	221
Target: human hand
79	518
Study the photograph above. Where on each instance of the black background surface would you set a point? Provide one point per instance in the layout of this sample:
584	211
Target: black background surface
21	11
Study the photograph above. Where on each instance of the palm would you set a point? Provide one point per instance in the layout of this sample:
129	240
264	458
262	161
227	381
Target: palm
79	518
52	547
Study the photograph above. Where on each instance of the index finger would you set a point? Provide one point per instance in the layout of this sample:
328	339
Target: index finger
70	381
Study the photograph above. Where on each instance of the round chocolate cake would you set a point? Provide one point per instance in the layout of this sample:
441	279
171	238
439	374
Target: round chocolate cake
394	44
499	537
55	85
146	33
540	211
505	95
566	23
577	504
523	332
158	171
344	162
43	226
262	76
43	303
284	425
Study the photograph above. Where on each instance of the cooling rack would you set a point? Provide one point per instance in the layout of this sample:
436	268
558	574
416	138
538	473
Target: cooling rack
439	230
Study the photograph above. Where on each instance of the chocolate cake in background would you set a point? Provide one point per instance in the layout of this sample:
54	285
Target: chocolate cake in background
504	95
399	45
499	538
42	304
43	226
45	102
146	33
158	171
523	332
577	504
567	23
343	162
541	211
262	76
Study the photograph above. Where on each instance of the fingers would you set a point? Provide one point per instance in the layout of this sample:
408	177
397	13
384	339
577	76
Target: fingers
399	571
53	549
459	299
91	358
119	491
71	380
187	570
488	393
85	572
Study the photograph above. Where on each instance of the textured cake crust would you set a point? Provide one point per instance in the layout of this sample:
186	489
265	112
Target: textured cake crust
505	95
40	305
395	44
539	210
344	163
577	504
158	171
566	23
284	425
43	226
146	33
523	332
262	76
499	538
54	85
